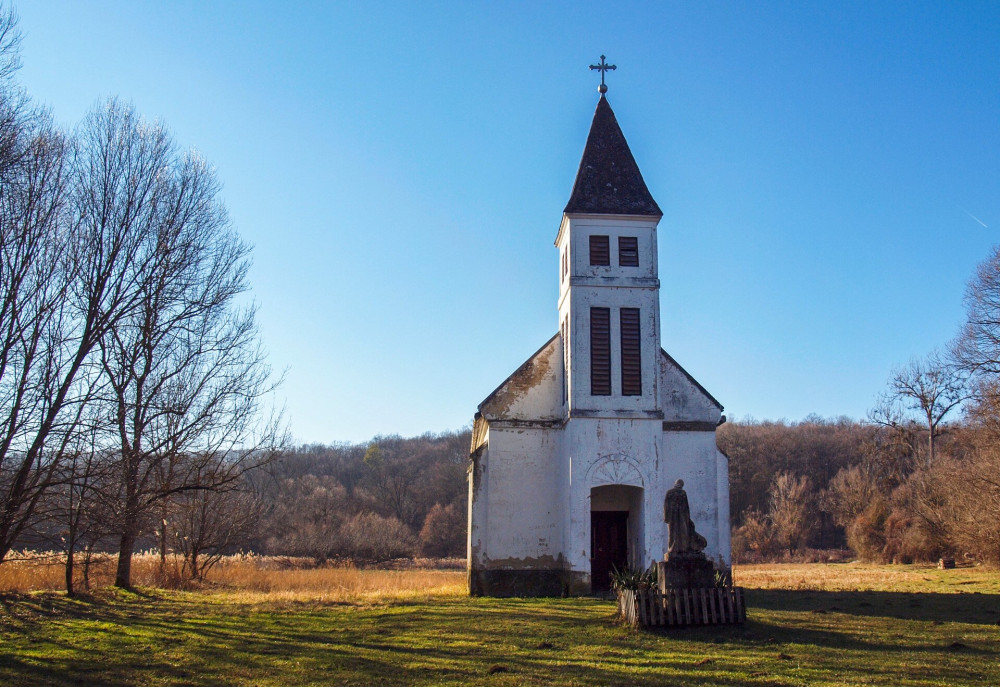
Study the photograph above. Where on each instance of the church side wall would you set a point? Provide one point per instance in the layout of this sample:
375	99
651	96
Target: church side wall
725	555
694	458
478	516
516	542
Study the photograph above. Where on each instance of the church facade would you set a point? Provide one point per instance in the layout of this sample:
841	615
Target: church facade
573	454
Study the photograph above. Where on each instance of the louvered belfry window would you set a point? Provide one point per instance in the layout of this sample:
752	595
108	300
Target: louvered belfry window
600	351
600	250
631	356
628	251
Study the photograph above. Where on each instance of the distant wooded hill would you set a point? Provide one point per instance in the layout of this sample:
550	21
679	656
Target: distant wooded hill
795	488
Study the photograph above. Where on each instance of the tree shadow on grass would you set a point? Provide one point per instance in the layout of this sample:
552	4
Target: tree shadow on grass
458	641
977	609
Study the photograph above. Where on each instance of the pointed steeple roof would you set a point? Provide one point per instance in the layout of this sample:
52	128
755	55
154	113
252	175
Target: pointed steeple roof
608	181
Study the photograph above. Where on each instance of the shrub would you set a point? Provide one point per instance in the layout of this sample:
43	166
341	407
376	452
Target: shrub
373	538
443	533
866	534
755	538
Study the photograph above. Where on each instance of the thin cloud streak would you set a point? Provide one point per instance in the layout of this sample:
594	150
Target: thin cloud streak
985	225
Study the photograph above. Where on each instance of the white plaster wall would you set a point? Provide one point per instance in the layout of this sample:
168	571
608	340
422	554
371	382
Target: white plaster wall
534	392
604	451
574	235
613	287
640	507
725	554
478	515
524	494
682	400
536	497
694	458
583	299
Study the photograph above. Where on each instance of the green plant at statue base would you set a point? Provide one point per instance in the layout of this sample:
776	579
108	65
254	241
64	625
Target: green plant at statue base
635	580
723	579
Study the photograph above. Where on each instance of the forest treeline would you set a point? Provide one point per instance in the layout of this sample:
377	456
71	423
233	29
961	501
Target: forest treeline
798	489
370	502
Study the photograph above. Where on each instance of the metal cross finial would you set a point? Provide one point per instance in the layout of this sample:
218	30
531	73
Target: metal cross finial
603	67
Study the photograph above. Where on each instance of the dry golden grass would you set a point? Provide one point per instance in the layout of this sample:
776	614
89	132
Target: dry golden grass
250	578
255	579
27	571
835	577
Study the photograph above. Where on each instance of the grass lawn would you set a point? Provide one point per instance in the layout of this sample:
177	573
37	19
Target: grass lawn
817	624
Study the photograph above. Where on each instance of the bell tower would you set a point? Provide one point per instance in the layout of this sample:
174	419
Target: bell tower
609	307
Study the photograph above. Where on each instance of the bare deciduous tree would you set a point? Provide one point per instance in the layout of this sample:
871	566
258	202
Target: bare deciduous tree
306	518
78	250
443	533
42	345
791	513
389	480
185	374
978	345
932	389
77	499
372	537
10	43
207	524
850	493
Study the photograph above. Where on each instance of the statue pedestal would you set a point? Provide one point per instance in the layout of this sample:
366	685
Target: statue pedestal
692	571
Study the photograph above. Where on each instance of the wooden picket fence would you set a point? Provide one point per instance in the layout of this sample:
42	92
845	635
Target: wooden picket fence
651	607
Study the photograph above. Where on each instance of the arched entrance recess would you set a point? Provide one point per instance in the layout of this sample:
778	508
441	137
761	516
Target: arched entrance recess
616	536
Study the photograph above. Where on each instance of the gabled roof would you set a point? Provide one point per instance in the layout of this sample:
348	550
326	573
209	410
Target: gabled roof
608	181
691	379
531	392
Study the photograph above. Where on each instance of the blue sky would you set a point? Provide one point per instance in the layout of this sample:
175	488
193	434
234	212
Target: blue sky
829	176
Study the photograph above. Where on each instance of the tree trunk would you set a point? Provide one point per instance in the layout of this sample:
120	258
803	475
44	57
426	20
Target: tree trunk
71	545
69	568
163	545
123	574
130	520
88	553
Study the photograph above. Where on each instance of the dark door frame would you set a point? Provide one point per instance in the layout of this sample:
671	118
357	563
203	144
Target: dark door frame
609	545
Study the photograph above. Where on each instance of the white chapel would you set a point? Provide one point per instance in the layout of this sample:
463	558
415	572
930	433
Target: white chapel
573	453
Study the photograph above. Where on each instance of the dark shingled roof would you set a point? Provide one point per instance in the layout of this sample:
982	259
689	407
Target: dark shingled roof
608	181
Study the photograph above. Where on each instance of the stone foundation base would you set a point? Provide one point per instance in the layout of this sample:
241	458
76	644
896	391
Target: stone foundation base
506	583
685	573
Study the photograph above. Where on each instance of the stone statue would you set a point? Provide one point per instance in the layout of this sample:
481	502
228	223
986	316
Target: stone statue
682	540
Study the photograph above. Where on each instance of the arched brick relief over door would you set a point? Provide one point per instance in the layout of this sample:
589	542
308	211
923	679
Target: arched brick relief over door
615	468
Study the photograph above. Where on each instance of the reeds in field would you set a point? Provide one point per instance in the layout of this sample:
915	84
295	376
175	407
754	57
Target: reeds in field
341	582
26	571
248	575
253	578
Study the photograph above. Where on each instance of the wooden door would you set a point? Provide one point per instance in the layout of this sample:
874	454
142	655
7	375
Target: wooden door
608	546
